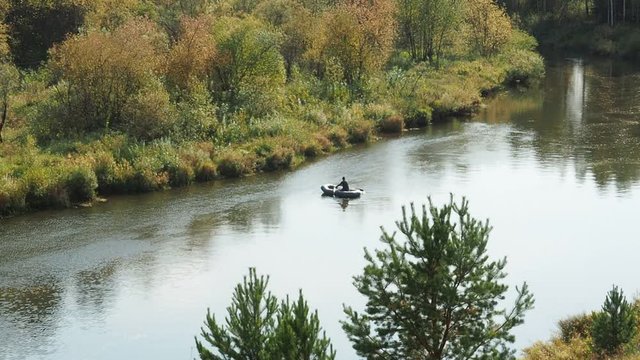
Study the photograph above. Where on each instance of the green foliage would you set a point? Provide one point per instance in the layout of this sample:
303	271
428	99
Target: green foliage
615	325
428	27
435	294
35	26
258	327
99	83
81	184
249	62
235	164
576	348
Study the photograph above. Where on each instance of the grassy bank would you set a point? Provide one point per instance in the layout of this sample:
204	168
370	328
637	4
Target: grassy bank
63	173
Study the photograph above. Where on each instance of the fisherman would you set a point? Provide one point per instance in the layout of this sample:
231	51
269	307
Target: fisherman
344	185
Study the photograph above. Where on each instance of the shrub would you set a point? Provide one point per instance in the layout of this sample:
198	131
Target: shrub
575	326
149	114
236	164
576	348
279	158
12	196
81	184
316	116
418	117
206	171
392	124
360	131
338	137
180	174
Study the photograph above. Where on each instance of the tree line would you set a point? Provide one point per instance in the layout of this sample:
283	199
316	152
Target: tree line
611	12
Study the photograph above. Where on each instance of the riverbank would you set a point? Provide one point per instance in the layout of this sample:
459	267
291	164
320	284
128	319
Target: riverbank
66	173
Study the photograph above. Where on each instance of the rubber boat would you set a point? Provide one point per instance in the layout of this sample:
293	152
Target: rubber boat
330	190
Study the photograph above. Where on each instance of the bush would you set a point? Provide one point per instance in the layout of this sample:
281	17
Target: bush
360	131
206	171
81	184
575	326
12	196
149	114
236	164
576	348
338	137
180	174
418	117
392	125
279	158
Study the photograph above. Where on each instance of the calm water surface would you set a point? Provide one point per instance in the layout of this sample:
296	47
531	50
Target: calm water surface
556	169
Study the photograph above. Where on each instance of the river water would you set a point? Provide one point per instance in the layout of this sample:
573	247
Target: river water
556	169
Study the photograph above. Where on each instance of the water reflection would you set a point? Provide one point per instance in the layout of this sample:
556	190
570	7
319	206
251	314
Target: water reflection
595	129
29	318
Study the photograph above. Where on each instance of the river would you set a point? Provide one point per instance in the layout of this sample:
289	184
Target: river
555	169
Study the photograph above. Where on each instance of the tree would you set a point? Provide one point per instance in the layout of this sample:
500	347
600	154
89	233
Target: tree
297	24
359	35
615	325
490	26
37	25
258	328
426	26
434	295
100	72
191	58
249	72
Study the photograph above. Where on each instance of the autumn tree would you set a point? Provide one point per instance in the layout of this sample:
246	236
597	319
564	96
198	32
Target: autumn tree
359	35
191	57
100	73
427	26
490	26
433	294
297	25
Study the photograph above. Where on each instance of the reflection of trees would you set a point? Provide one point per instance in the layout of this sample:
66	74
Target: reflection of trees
588	116
94	288
28	317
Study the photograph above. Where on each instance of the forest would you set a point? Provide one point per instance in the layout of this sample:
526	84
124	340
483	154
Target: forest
602	27
103	97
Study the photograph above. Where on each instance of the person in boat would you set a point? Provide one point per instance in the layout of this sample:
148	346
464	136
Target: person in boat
343	184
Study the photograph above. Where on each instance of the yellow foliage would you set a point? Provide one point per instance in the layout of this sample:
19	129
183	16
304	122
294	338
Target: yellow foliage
360	35
577	348
192	56
490	26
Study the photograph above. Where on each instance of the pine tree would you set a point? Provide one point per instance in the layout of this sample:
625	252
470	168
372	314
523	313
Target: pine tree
434	295
258	328
615	325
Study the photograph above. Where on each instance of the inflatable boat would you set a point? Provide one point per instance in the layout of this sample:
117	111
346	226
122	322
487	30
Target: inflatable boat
330	190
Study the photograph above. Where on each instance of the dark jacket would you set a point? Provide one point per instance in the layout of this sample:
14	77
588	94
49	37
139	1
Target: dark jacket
345	186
